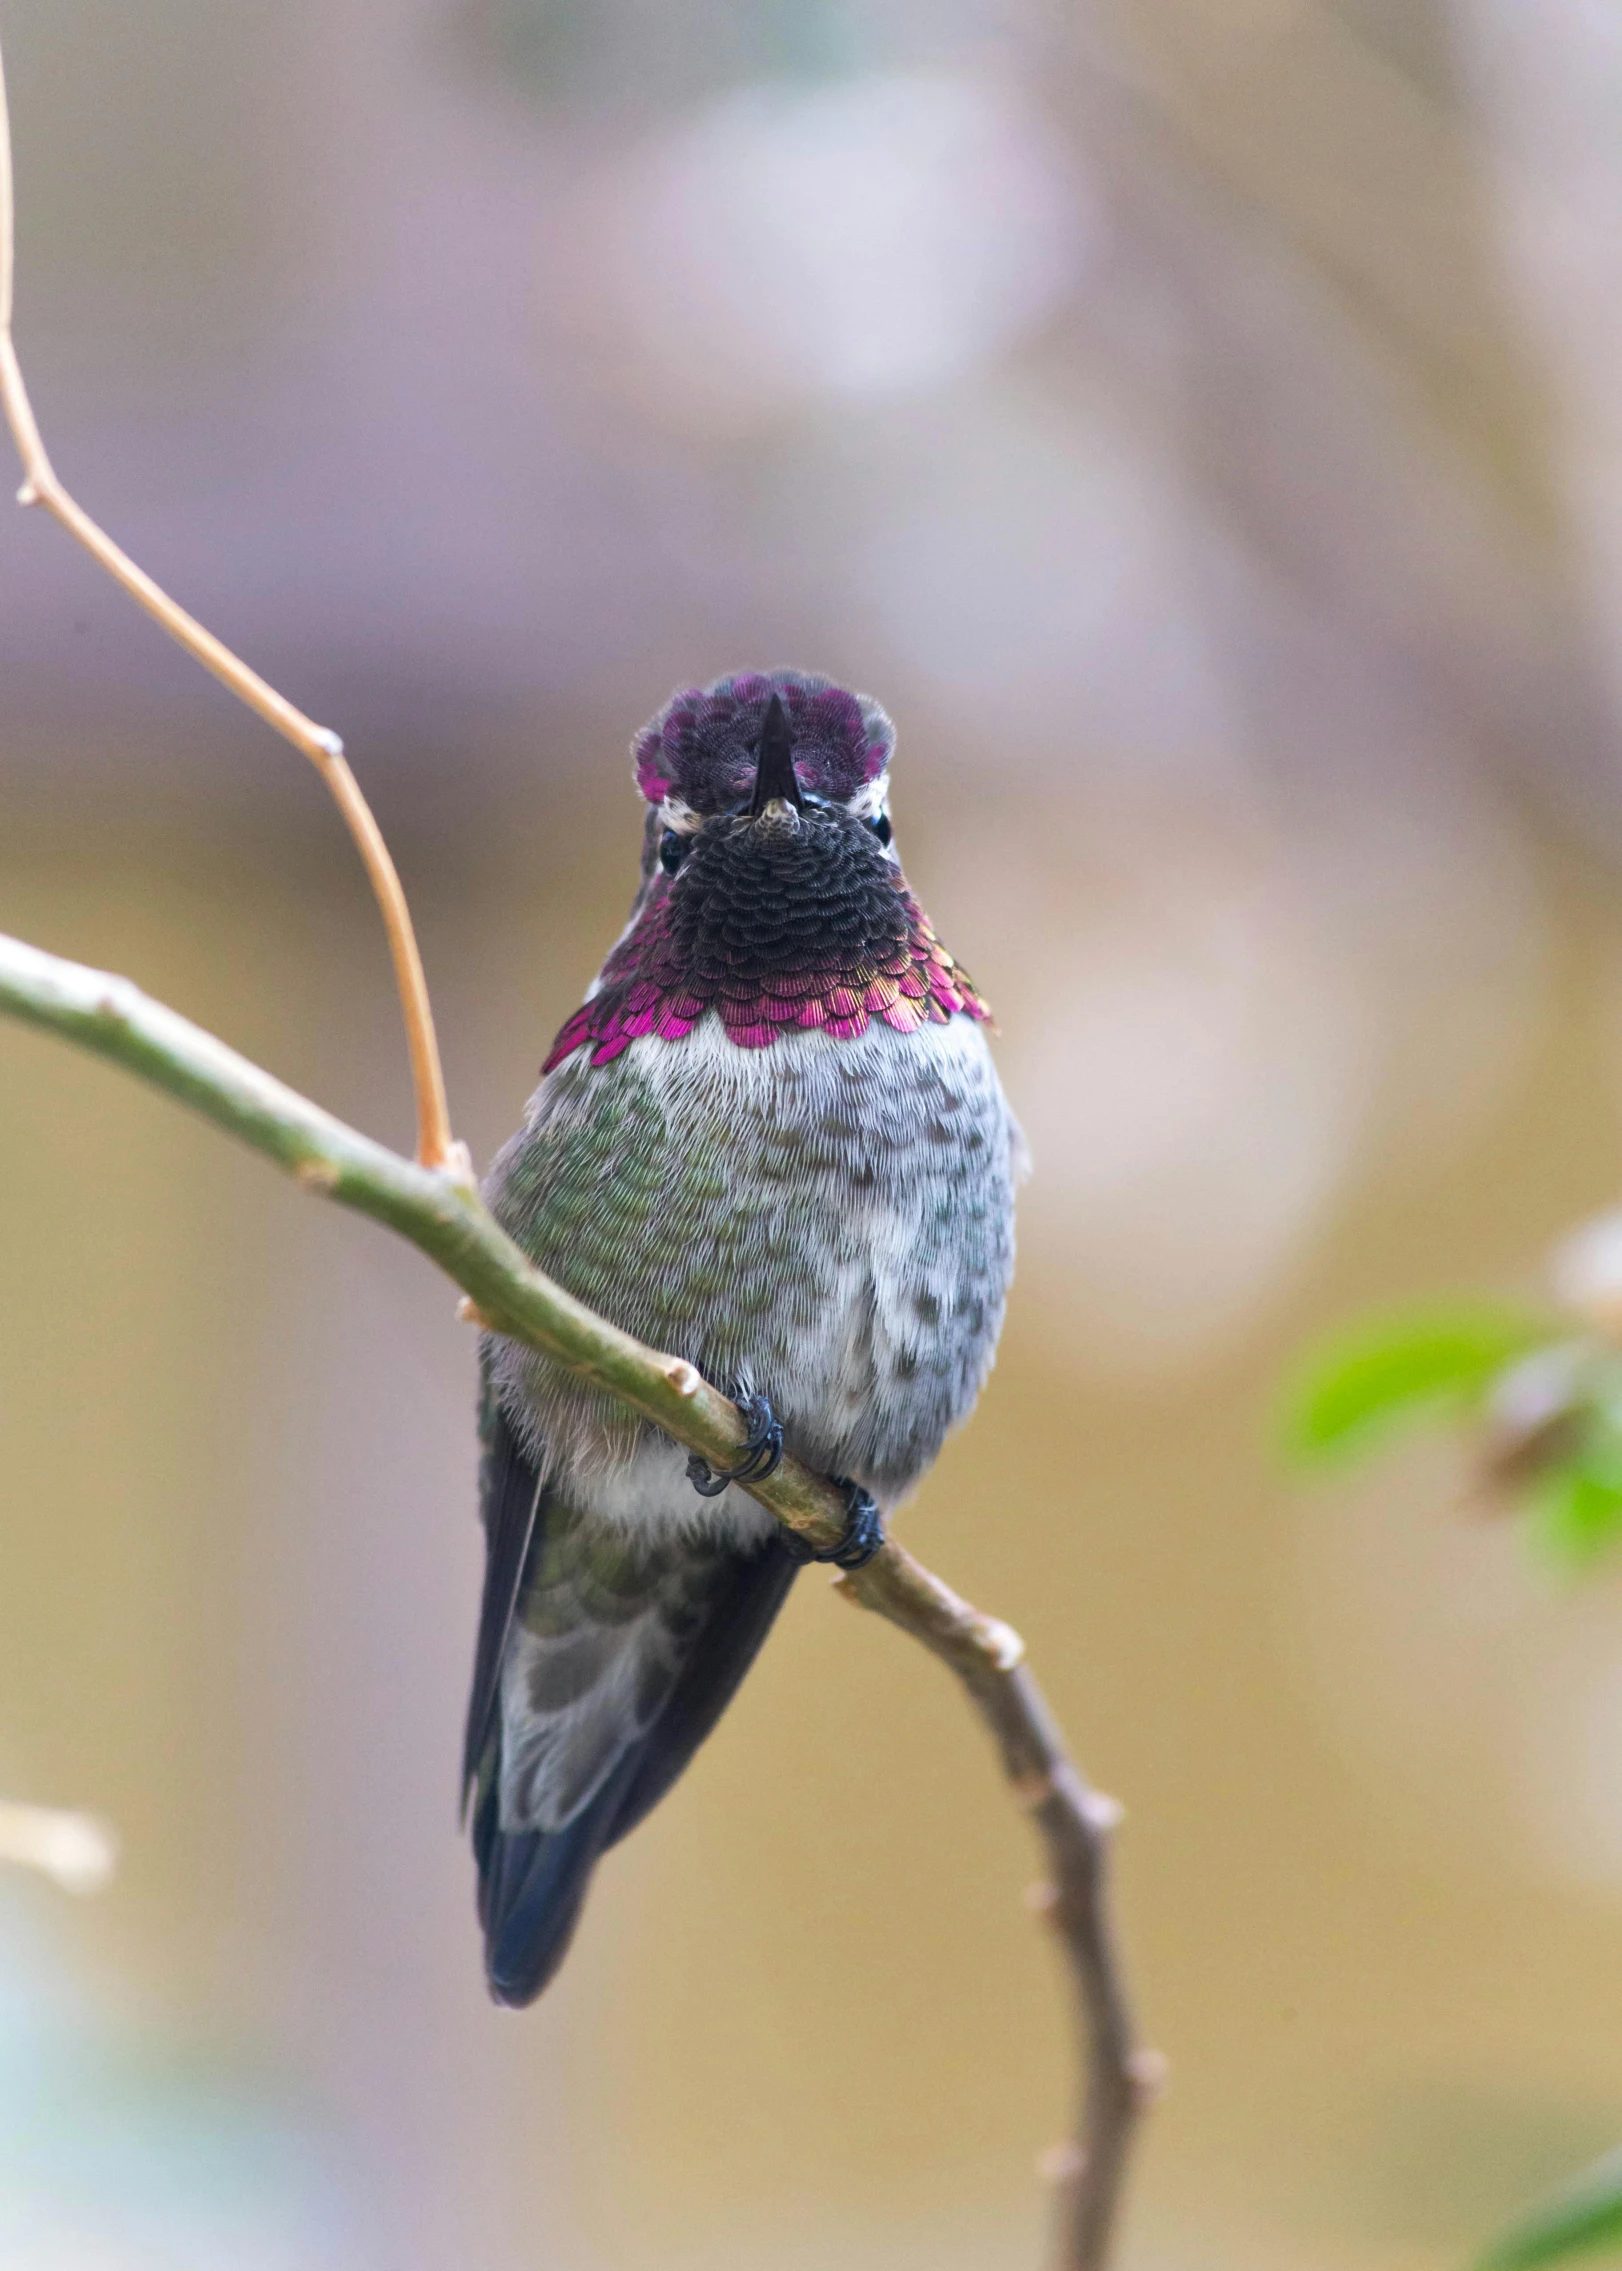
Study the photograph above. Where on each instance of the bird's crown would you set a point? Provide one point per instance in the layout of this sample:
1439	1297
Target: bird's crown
703	749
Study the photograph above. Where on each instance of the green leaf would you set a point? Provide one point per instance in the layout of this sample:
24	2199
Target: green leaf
1577	1514
1584	2218
1390	1369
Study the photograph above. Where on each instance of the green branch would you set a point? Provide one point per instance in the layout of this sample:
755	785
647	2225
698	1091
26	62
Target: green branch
436	1209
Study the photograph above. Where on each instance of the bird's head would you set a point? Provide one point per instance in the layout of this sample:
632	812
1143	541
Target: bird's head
763	755
771	892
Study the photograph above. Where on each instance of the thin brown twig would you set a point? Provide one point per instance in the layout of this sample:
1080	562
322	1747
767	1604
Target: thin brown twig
1074	1822
435	1145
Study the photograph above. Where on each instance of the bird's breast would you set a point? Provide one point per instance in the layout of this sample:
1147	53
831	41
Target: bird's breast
827	1222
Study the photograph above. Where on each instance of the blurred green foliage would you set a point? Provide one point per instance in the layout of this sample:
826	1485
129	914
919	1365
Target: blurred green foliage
1577	1509
1584	2218
1415	1363
1544	1407
586	53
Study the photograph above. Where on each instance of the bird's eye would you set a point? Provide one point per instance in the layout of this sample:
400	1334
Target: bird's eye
673	849
880	825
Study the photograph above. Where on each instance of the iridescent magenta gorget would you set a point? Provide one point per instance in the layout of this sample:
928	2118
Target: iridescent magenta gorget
798	921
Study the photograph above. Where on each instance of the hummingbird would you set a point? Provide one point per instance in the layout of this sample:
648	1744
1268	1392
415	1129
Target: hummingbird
771	1141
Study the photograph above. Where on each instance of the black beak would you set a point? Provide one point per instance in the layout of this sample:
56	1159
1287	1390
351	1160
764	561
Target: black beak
774	775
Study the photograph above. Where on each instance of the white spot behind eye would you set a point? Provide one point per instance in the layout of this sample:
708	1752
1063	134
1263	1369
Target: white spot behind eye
872	798
680	817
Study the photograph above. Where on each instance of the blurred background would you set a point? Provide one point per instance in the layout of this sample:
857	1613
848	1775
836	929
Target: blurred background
1197	421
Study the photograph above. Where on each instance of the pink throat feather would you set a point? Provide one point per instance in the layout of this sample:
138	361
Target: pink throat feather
643	993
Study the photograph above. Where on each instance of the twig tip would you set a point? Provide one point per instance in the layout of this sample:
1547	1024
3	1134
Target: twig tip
1103	1812
456	1163
1001	1643
685	1378
317	1175
1148	2071
468	1312
1061	2164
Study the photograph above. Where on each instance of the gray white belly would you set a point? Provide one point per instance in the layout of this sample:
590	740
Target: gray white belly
826	1222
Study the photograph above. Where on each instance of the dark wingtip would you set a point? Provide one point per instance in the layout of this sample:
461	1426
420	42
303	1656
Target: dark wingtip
774	770
532	1883
531	1890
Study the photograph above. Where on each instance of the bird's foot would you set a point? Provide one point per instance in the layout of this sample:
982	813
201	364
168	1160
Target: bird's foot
762	1452
864	1531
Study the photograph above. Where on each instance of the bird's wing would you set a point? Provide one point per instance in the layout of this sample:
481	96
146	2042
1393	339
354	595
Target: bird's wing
615	1664
749	1591
509	1497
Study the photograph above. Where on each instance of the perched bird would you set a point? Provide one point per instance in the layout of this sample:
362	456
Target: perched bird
772	1142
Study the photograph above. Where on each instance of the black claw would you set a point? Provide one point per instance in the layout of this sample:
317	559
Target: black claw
864	1531
762	1452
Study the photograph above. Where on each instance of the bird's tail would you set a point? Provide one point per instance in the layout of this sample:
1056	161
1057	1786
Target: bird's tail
532	1884
614	1684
